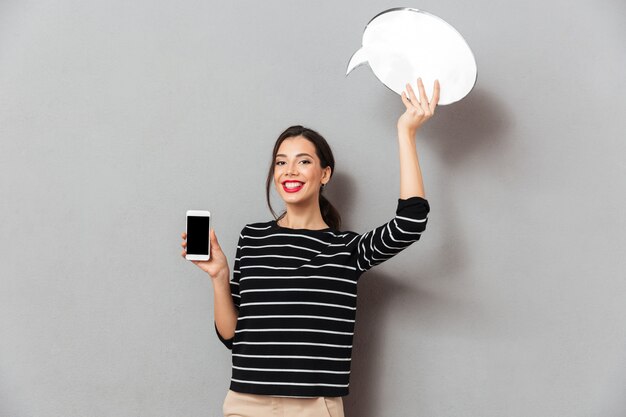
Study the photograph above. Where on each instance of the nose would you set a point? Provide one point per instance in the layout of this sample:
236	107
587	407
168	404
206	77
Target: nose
292	170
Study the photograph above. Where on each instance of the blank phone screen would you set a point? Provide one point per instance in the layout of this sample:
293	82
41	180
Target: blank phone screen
198	235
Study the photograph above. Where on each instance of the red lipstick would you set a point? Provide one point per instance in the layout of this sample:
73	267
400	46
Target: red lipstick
292	190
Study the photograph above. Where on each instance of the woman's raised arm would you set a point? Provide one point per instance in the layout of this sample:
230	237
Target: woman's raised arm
417	113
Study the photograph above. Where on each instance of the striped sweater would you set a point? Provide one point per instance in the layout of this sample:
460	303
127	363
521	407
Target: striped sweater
296	294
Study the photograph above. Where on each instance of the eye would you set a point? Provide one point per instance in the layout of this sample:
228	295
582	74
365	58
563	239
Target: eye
304	160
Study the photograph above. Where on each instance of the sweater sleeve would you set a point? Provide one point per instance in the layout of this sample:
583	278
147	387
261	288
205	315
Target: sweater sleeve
384	242
234	290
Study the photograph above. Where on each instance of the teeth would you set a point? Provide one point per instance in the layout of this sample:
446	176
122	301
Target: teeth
292	184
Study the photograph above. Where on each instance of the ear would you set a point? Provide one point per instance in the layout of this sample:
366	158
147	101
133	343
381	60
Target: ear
326	173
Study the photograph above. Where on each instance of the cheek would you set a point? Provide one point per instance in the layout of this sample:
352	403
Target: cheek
309	171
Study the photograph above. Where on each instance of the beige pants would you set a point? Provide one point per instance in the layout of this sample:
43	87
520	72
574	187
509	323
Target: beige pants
239	404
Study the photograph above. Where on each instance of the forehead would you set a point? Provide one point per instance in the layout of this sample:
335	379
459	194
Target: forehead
293	146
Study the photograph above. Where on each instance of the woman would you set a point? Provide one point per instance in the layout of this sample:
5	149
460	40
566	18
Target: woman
289	312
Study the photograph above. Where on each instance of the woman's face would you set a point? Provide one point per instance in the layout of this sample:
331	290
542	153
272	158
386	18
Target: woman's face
297	164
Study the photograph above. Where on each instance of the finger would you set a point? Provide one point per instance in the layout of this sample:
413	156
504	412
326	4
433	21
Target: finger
183	253
414	99
435	99
184	235
405	100
184	244
422	91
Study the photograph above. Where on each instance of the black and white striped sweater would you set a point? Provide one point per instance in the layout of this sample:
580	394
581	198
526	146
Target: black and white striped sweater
296	293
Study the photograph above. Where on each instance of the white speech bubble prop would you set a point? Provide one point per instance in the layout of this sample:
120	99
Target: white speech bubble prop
402	44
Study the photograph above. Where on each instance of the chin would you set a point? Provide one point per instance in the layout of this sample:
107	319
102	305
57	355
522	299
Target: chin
294	198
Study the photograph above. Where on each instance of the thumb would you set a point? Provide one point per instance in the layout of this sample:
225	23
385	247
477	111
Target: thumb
213	239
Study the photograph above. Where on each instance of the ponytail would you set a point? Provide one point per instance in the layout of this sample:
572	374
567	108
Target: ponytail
329	212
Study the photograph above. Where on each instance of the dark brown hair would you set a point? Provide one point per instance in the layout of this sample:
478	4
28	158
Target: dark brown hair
322	150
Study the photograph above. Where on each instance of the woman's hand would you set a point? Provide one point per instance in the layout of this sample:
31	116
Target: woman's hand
417	111
217	265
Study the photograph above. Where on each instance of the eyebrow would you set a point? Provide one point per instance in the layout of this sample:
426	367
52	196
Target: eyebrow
300	154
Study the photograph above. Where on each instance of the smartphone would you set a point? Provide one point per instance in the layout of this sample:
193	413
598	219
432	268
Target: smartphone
198	241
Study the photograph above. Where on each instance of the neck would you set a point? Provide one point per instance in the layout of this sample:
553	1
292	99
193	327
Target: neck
298	217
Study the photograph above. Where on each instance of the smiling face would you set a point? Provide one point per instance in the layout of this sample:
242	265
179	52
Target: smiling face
298	174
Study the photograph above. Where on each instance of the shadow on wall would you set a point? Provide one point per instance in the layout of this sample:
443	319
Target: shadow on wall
469	129
468	136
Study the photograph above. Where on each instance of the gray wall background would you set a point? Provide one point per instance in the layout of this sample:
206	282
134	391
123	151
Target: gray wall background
116	117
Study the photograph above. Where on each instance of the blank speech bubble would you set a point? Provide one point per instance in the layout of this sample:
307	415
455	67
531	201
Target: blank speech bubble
402	44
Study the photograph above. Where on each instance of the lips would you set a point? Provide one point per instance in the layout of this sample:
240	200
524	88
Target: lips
294	189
